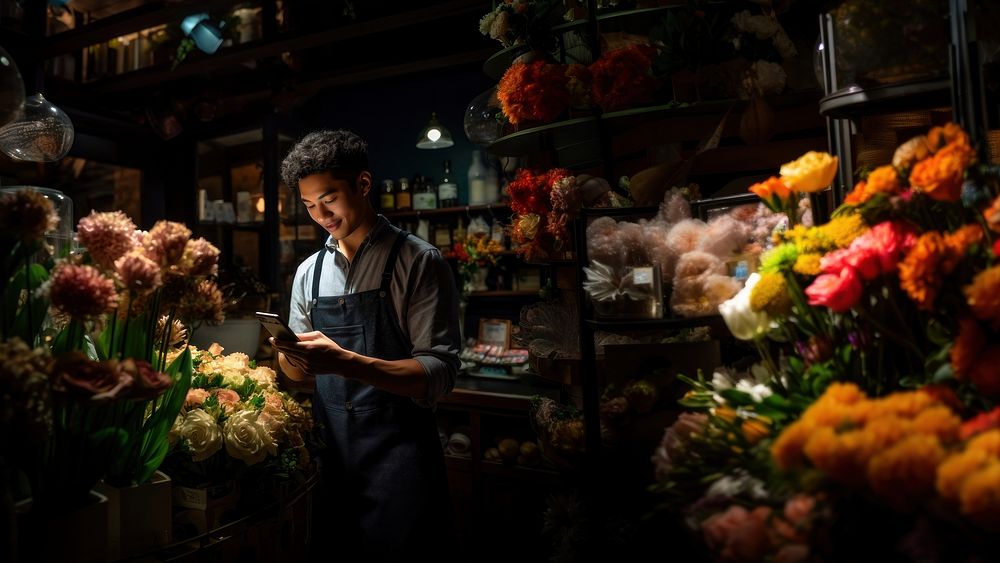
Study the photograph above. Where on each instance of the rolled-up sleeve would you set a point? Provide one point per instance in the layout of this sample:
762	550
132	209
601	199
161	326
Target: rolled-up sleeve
432	322
298	307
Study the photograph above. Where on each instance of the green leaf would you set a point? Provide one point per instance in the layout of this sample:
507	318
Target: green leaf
158	425
943	373
736	398
796	364
938	333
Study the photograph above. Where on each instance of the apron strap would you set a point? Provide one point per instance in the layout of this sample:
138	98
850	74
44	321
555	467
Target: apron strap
390	262
317	270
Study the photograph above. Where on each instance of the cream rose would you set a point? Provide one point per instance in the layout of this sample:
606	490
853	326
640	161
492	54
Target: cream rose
246	439
202	434
264	377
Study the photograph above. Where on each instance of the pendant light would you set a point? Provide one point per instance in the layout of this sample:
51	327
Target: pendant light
435	135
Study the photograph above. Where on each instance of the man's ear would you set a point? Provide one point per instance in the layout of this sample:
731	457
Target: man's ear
365	182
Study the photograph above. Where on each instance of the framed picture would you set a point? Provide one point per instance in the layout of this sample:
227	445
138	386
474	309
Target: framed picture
706	209
495	332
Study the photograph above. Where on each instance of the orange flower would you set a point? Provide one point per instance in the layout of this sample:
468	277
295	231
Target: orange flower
919	273
534	91
755	430
858	195
945	135
940	176
883	179
907	469
771	188
983	295
992	215
967	347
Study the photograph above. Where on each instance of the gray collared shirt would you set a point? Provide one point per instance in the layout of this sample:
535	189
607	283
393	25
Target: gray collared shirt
423	294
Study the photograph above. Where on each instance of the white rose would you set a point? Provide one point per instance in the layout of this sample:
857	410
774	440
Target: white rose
264	377
246	439
743	322
236	361
202	434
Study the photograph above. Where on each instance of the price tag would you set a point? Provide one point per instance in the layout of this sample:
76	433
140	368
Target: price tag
642	276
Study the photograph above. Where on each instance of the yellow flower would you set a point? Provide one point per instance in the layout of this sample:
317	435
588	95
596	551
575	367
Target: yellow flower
842	230
906	470
812	172
953	472
770	295
808	264
841	456
983	295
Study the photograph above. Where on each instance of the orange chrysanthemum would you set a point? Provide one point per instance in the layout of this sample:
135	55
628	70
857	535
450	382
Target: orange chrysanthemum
940	176
907	470
967	347
534	91
883	179
919	273
940	137
992	215
983	296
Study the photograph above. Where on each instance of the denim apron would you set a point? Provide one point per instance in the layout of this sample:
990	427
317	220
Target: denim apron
383	466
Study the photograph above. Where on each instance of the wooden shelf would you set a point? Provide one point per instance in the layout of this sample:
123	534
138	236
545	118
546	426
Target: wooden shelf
498	395
655	324
253	226
445	211
458	463
505	293
857	102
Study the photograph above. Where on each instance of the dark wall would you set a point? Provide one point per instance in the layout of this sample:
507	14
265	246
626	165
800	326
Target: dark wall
391	113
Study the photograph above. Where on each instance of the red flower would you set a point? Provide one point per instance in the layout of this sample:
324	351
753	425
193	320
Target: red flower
981	423
622	78
535	91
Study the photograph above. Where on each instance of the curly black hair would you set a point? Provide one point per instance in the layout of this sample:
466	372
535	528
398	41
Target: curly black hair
340	152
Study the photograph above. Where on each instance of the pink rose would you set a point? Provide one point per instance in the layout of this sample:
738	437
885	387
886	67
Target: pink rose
799	509
75	374
738	535
150	383
227	398
838	292
864	260
195	397
890	241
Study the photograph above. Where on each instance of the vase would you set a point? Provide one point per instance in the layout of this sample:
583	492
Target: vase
479	280
78	535
139	516
206	506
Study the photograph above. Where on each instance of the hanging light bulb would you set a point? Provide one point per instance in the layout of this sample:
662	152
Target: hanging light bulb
435	135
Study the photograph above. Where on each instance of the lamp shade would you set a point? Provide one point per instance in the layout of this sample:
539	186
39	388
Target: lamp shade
207	37
188	24
435	135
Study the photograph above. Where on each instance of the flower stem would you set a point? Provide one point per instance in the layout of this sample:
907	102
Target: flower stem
889	332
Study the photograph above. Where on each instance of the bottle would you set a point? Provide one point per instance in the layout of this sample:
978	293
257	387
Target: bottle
492	184
477	180
447	191
459	233
442	236
404	199
387	197
424	194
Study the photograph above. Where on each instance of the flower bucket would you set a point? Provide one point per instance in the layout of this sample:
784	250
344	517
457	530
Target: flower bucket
78	535
139	516
206	505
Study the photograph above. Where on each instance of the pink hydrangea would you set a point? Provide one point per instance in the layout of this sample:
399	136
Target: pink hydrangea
81	291
107	236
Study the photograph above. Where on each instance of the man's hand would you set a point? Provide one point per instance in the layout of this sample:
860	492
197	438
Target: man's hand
315	353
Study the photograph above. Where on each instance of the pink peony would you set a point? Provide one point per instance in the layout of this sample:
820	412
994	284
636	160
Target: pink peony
838	292
137	272
81	291
75	374
149	382
195	397
107	236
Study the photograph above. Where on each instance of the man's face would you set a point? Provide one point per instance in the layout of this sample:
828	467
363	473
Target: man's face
337	205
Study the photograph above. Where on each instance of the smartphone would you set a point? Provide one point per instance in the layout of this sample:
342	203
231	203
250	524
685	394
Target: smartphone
277	327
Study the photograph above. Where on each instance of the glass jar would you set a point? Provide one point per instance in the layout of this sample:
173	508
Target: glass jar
61	237
890	41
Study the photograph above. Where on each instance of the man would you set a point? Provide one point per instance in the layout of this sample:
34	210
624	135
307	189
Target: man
378	315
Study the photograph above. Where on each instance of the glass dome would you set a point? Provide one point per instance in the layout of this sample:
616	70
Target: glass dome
61	238
44	133
483	118
11	89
